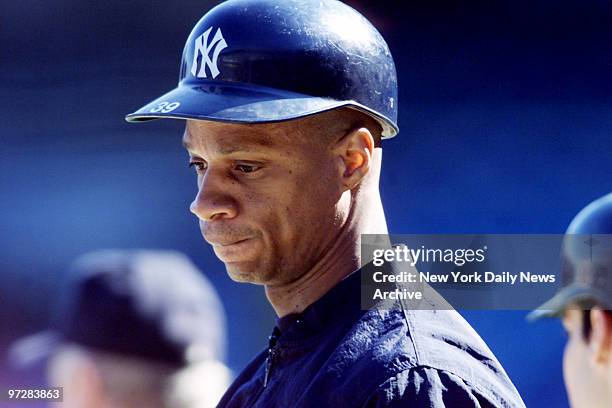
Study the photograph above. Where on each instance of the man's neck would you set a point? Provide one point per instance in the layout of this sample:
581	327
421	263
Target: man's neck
366	216
337	263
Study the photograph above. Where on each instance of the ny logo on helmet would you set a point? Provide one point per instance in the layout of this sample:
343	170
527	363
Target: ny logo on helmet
203	49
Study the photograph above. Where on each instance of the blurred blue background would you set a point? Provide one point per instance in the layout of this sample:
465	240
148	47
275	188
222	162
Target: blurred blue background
506	127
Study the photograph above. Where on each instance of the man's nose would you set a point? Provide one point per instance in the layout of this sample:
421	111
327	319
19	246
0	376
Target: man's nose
213	201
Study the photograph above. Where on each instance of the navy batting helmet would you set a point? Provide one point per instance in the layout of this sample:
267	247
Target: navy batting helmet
587	261
257	61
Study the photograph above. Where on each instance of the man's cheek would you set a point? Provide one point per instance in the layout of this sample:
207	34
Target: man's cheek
567	364
571	372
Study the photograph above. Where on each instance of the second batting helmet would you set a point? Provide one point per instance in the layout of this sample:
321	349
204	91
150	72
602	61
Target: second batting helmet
257	61
587	261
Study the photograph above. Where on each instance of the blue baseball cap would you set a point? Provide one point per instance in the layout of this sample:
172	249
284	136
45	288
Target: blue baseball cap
586	273
154	305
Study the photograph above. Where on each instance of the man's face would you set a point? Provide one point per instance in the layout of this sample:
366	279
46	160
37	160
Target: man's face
268	196
585	387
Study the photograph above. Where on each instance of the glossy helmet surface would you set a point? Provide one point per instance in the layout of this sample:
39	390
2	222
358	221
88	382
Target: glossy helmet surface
257	61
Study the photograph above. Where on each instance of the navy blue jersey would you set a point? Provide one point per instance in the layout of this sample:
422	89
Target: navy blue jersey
335	354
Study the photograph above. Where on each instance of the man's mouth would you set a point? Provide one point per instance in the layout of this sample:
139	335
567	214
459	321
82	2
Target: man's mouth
227	243
220	241
235	250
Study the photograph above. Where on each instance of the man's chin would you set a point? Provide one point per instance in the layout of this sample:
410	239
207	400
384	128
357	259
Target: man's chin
243	273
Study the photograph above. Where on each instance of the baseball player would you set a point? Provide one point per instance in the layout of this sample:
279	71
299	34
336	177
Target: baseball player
584	304
134	329
287	104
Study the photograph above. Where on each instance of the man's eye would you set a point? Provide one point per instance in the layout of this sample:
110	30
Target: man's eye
199	166
246	168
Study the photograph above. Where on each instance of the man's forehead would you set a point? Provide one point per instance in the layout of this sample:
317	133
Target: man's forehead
321	127
571	313
228	137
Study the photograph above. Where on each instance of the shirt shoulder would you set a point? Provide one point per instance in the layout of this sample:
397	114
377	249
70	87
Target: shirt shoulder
443	340
436	349
428	387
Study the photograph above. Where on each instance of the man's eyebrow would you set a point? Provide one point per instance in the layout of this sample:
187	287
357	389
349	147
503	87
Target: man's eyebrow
249	147
225	150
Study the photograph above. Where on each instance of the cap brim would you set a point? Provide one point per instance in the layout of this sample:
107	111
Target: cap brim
555	306
33	349
242	104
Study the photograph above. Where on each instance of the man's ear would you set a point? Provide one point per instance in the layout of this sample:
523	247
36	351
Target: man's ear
600	341
354	156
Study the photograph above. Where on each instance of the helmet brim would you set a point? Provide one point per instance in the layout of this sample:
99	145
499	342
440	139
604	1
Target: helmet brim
243	104
556	305
34	349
